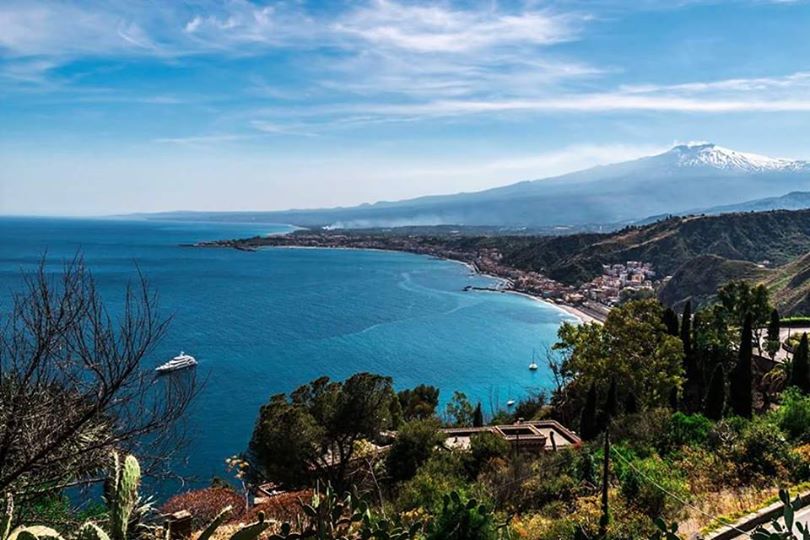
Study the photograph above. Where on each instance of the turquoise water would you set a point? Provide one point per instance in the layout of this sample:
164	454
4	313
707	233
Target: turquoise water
264	322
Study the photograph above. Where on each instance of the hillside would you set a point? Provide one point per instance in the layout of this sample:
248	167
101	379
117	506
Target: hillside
772	237
790	285
699	279
677	181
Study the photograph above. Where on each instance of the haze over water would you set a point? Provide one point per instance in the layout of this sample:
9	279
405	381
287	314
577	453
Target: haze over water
265	322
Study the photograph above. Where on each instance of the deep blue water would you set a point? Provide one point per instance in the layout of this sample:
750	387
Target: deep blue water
264	322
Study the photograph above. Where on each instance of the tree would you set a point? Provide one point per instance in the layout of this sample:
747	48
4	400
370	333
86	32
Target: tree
670	320
412	447
313	432
772	337
800	367
484	448
693	383
740	391
478	416
632	346
715	400
419	403
739	299
460	411
630	404
612	402
686	328
73	385
588	428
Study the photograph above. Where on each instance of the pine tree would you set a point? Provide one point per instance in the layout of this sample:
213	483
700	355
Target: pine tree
740	392
478	416
671	321
588	428
715	400
800	370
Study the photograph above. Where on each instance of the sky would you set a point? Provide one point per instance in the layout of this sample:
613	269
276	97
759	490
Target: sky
122	106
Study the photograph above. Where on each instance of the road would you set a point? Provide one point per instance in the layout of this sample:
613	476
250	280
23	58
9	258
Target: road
802	515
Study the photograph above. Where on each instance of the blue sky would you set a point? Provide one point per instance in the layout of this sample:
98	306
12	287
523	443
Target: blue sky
124	106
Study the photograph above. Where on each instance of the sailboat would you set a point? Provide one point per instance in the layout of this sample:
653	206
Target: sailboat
533	365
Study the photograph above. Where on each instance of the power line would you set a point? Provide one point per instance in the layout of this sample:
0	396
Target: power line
618	454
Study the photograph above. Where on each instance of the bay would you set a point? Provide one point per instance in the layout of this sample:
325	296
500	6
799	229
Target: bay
264	322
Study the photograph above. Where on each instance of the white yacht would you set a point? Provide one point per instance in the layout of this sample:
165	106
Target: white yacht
533	365
181	361
510	403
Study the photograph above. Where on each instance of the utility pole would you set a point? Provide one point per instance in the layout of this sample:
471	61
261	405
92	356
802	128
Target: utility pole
605	518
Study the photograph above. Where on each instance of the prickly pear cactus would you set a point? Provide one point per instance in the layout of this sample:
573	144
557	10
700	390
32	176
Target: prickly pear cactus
121	493
252	531
91	531
212	527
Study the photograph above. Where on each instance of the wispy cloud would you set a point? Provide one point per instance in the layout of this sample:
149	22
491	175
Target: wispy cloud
379	47
439	29
202	140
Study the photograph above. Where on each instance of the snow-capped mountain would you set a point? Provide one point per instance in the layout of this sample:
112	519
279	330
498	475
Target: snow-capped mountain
686	177
711	155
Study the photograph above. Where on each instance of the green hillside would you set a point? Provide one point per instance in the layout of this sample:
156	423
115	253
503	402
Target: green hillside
776	238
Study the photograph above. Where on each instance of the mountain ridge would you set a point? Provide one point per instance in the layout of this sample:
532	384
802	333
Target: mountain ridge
672	182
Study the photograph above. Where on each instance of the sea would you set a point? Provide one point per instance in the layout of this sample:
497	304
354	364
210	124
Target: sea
265	322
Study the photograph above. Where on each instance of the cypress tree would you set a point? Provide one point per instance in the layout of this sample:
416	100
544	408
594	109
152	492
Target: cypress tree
588	428
478	416
715	400
800	370
740	392
670	321
611	404
692	384
630	404
686	328
774	326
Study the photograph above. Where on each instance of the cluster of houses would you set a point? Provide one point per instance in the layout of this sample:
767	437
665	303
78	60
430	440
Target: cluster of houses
617	279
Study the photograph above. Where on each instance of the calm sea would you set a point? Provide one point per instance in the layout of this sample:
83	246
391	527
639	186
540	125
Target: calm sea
264	322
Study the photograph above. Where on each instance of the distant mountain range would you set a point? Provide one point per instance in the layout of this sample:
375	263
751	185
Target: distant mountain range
795	200
685	178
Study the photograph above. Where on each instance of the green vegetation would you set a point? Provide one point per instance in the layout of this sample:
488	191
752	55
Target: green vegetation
314	432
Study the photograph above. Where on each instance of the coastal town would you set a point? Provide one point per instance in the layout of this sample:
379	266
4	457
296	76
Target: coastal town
589	301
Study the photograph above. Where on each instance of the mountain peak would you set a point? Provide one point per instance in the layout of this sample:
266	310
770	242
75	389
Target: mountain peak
706	154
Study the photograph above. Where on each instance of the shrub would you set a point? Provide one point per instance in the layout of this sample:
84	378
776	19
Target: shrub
762	454
484	448
642	483
442	473
413	446
282	507
685	430
793	417
642	431
205	504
